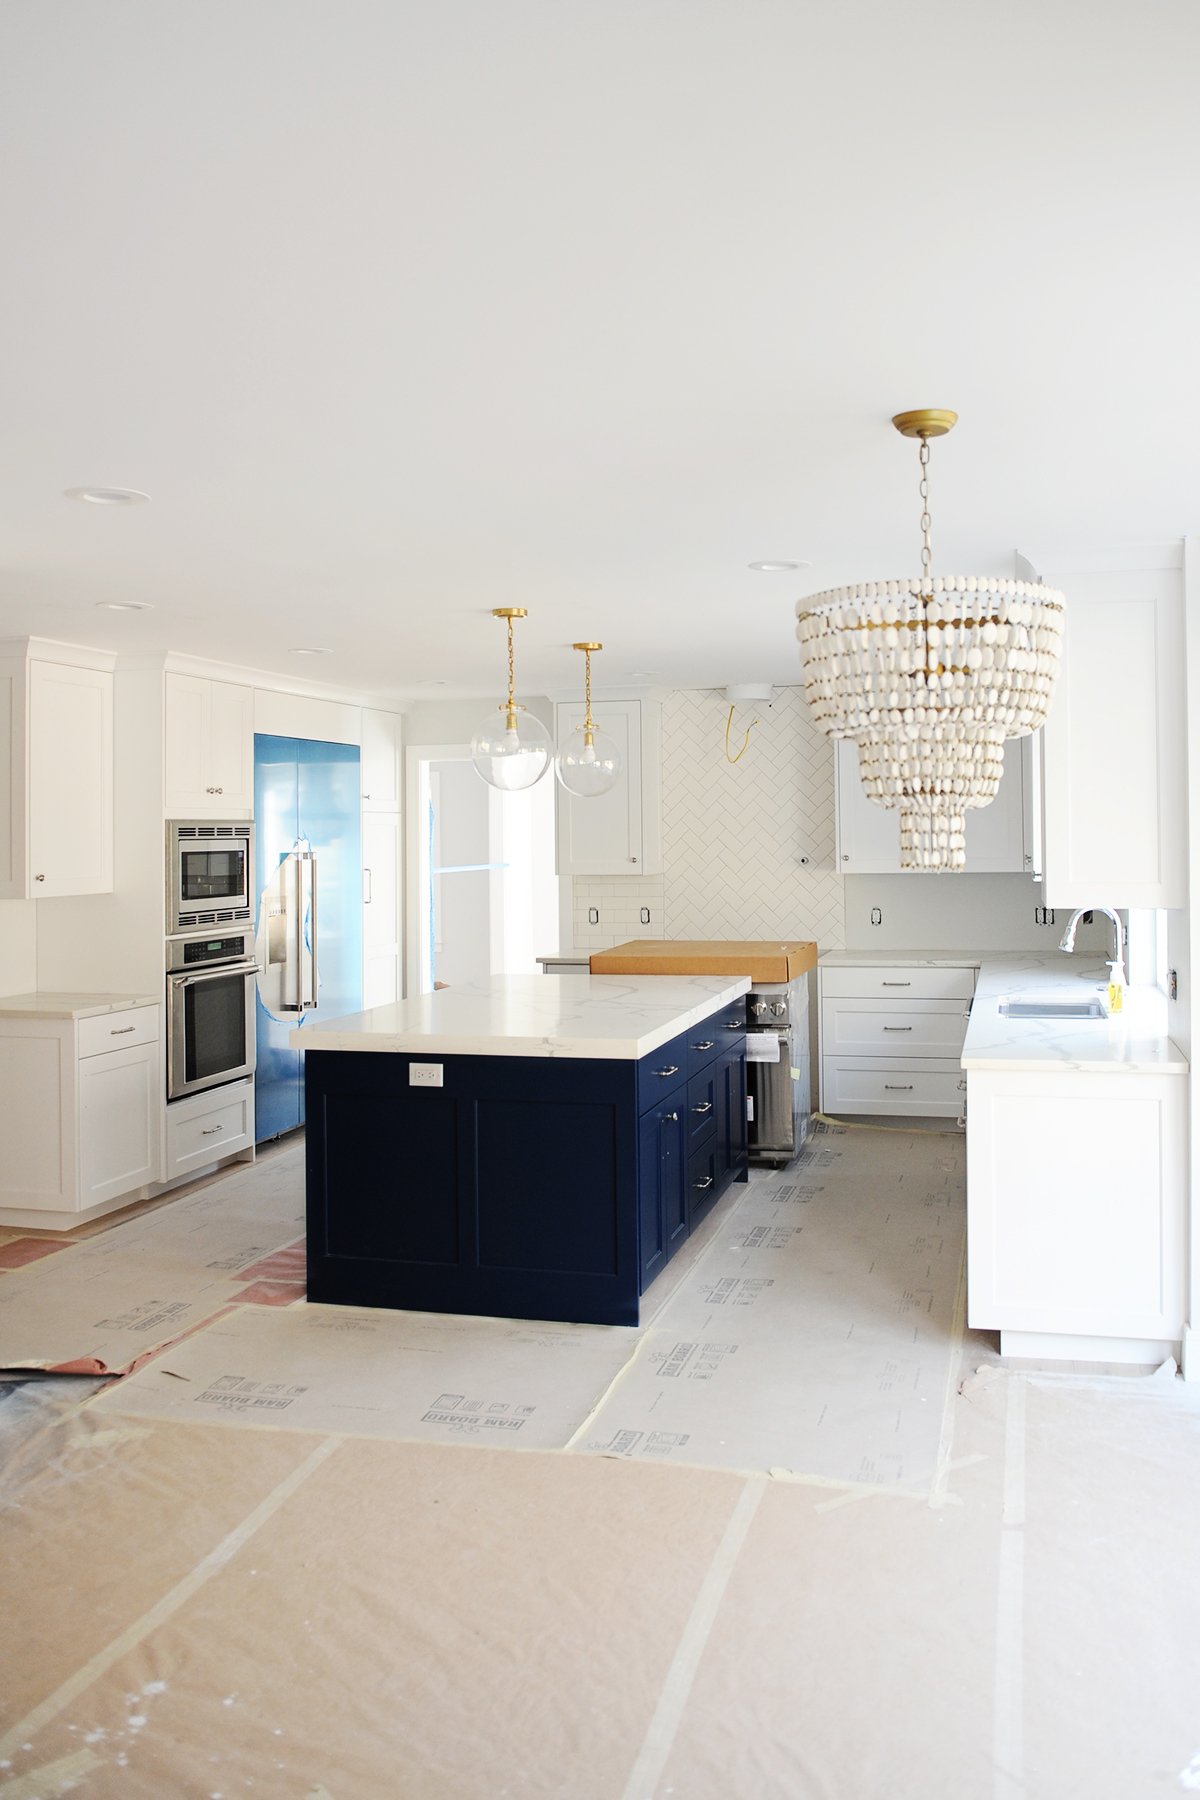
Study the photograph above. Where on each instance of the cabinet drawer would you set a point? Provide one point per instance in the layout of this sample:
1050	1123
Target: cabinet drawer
926	1089
701	1181
209	1125
118	1030
899	983
702	1104
893	1028
662	1070
705	1042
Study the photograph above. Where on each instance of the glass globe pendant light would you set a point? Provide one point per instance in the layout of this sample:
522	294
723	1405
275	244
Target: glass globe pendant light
589	762
929	676
512	748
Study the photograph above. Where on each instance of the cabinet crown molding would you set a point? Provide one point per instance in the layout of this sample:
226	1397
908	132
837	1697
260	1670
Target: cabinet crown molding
72	656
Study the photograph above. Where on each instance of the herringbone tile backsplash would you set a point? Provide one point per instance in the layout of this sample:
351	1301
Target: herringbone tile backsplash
748	847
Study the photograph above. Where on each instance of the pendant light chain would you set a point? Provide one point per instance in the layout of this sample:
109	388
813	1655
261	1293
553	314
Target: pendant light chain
510	710
589	729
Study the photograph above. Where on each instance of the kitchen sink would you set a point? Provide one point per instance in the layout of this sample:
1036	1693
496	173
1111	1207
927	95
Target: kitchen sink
1052	1009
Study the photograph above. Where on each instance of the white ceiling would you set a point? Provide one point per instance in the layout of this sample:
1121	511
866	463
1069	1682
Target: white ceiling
405	309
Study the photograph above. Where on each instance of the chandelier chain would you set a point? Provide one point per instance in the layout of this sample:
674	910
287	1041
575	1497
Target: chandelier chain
926	521
587	691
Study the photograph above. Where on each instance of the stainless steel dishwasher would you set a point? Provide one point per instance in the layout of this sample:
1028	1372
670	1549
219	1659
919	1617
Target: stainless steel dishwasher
778	1071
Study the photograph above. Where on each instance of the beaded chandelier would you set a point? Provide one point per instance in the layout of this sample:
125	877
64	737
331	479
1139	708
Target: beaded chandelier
929	676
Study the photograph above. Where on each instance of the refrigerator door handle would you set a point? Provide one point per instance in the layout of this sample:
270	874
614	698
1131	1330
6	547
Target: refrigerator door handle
311	997
292	997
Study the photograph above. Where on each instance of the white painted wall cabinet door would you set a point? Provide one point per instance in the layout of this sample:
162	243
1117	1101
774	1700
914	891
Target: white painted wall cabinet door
381	908
1115	751
618	833
380	760
56	772
209	748
869	835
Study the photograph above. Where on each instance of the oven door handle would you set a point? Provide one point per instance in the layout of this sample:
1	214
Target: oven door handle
238	968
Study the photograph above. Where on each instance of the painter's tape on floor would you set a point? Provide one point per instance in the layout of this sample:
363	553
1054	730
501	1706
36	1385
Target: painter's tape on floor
816	1336
98	1305
439	1377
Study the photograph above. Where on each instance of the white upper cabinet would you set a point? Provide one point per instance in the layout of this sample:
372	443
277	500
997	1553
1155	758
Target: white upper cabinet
380	760
1115	750
618	833
869	835
209	748
56	770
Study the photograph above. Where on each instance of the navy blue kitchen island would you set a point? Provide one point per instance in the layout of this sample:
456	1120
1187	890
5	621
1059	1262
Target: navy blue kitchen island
533	1147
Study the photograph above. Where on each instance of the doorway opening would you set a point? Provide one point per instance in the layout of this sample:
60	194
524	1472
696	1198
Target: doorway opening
483	891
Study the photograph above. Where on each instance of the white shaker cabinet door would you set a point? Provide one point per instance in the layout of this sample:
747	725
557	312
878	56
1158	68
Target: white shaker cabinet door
380	760
70	780
617	833
209	748
1115	744
118	1122
381	908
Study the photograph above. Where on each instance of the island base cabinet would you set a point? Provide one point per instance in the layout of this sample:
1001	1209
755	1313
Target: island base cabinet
1075	1212
520	1187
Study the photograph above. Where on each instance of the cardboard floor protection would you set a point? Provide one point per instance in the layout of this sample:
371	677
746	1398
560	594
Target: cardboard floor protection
819	1335
101	1303
813	1333
372	1373
201	1613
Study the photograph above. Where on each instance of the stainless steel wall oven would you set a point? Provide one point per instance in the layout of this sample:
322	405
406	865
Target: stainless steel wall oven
210	1010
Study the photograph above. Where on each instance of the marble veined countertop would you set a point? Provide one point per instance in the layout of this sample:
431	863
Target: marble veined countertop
69	1005
602	1016
1132	1040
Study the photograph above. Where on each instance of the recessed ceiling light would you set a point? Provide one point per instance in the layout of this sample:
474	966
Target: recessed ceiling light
644	674
432	682
308	650
126	605
102	496
777	568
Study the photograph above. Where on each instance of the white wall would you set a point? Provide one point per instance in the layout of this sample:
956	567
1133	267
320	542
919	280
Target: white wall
18	946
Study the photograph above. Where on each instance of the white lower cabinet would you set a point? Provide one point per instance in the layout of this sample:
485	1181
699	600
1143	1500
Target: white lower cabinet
204	1127
891	1039
1075	1212
80	1113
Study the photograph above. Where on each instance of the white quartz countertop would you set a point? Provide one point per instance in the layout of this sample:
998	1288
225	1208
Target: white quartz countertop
68	1005
1132	1040
603	1016
902	959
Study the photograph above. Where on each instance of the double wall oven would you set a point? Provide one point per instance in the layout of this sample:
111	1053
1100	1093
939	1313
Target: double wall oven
211	967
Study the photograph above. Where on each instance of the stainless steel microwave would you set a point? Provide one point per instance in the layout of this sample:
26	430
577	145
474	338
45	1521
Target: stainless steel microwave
210	873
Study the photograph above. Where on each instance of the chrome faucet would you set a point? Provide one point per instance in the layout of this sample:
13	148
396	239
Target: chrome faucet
1068	936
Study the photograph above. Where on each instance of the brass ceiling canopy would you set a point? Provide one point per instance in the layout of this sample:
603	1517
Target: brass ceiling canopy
925	422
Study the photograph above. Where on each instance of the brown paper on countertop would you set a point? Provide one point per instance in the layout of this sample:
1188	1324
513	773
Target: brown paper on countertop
765	961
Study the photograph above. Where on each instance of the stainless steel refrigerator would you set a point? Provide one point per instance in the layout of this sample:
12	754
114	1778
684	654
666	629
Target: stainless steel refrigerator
308	938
